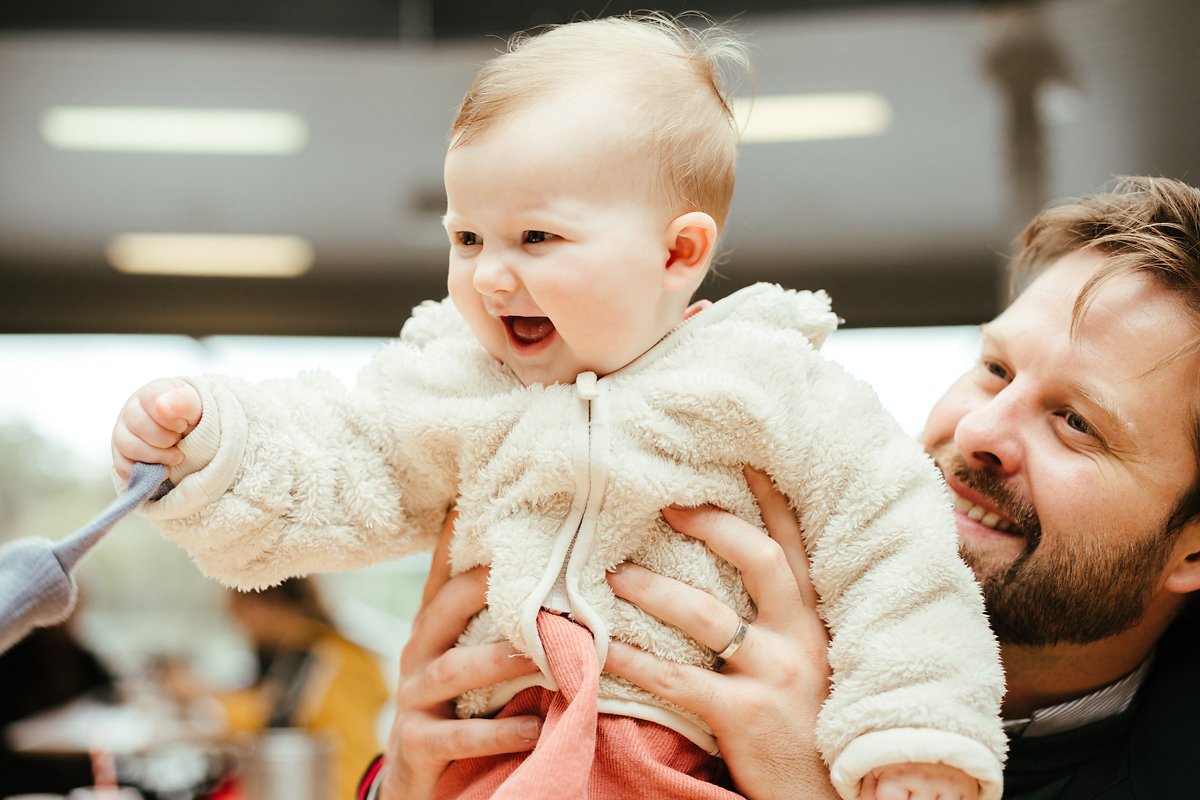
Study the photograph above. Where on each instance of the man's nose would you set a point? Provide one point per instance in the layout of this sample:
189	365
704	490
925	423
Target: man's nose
493	274
989	435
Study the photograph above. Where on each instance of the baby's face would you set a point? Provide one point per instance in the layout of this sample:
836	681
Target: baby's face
558	253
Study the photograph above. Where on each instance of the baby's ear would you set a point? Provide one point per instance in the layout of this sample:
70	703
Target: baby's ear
691	240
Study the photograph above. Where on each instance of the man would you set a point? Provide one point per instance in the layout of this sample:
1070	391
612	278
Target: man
1071	451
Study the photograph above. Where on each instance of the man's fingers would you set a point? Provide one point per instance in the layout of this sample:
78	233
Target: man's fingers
448	740
764	567
693	688
464	668
420	748
443	618
782	525
439	567
696	613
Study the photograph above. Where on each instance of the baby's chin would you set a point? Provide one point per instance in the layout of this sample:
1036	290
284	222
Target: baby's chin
542	375
550	374
554	361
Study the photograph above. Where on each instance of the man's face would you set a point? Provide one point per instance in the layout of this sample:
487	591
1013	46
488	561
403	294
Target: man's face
558	253
1066	456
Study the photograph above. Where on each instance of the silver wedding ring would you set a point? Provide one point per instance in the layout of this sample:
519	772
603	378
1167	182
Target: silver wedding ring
738	637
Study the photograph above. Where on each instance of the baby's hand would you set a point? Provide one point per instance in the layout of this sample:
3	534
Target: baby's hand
152	422
919	782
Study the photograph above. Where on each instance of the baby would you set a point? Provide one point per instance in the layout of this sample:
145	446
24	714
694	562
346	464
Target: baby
567	390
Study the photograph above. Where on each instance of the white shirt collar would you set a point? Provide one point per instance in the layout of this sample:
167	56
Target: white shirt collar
1100	704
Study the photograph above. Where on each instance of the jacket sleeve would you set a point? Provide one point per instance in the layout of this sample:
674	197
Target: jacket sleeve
296	476
916	675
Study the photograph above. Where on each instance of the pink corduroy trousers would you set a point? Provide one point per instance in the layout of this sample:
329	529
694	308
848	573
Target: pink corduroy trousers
583	755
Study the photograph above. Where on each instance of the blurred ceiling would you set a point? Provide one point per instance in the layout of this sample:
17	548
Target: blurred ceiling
997	108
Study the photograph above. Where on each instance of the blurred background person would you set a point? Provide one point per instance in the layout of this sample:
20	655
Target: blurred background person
309	676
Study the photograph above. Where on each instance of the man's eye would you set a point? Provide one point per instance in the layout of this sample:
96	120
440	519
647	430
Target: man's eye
1076	422
537	237
468	238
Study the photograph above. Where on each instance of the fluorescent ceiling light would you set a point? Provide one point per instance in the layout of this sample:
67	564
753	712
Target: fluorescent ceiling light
806	117
175	130
227	256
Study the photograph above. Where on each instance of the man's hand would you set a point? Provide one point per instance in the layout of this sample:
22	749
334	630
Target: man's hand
426	736
763	703
152	423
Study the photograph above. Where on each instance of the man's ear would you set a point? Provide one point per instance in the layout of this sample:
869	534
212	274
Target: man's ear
691	240
1183	573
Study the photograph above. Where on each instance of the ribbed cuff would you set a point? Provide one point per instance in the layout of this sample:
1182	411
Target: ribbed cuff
200	446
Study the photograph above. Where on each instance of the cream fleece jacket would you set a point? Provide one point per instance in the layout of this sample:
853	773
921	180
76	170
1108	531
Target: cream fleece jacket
556	484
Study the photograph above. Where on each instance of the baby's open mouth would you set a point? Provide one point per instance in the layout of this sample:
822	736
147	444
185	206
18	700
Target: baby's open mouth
529	330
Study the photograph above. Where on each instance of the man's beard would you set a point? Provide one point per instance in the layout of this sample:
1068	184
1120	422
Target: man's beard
1084	589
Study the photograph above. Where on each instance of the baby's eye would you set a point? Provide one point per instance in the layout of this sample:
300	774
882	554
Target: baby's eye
468	238
537	237
996	368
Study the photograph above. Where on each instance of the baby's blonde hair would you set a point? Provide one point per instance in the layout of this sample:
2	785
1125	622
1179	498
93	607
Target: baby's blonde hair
673	70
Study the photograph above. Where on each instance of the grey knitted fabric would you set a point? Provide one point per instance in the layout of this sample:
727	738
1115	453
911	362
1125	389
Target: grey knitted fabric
36	587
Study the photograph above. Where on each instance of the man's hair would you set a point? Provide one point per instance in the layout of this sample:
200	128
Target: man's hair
675	73
1141	225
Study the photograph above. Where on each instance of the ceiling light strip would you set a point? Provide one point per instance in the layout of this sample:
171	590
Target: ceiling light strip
175	130
810	117
210	255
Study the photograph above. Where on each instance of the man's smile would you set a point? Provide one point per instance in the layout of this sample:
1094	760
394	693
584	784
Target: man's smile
981	498
980	514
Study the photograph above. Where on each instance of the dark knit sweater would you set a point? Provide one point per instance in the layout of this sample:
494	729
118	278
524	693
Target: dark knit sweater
1043	767
1149	752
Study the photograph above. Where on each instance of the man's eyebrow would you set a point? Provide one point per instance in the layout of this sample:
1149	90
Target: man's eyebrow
1121	433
